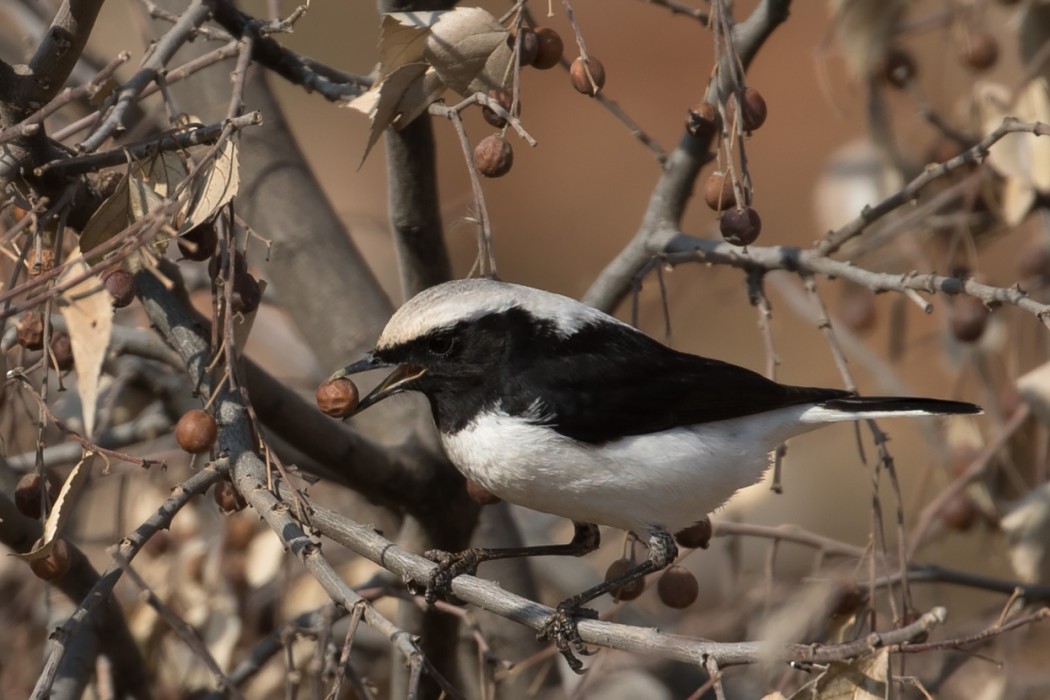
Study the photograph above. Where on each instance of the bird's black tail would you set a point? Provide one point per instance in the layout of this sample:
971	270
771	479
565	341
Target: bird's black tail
900	404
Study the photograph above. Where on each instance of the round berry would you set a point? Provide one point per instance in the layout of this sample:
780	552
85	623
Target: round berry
959	512
968	317
980	51
550	48
753	109
703	120
199	242
55	564
898	67
505	98
578	75
120	285
228	498
718	191
61	354
196	431
247	294
338	398
530	45
740	226
493	156
857	309
696	536
480	495
629	591
27	493
29	331
677	587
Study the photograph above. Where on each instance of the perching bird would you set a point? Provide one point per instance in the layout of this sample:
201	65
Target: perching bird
556	406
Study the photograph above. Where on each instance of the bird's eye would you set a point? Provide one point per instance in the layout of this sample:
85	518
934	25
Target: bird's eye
441	344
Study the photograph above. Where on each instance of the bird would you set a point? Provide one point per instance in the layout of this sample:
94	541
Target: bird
553	405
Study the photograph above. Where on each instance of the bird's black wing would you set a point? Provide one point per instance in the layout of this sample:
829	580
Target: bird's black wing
609	381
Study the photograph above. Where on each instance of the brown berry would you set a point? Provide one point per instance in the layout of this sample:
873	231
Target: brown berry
980	51
493	156
120	285
61	351
1034	261
849	600
196	431
530	45
959	512
718	191
55	564
703	121
898	67
550	48
480	495
753	109
247	294
505	98
578	75
696	536
968	317
29	330
27	493
677	587
740	226
629	591
199	242
857	309
338	398
228	498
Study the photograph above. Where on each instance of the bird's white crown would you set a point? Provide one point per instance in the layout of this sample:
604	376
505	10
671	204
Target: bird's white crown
445	305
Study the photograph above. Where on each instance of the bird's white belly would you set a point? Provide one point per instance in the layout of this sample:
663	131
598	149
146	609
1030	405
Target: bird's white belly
669	479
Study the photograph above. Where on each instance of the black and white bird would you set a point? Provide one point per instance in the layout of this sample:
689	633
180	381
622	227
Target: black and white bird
553	405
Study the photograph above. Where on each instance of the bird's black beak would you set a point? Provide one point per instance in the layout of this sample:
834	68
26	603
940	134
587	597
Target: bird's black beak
399	380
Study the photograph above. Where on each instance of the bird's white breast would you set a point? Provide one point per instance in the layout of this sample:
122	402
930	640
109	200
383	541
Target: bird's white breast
669	479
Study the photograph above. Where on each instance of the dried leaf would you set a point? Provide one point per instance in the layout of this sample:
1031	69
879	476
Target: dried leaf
218	187
1023	159
401	39
468	49
164	172
383	102
62	507
109	219
1027	528
865	678
88	312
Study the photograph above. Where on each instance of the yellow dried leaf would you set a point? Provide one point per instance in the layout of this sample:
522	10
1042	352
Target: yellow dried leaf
382	103
469	50
88	312
864	678
218	187
62	507
401	38
109	219
164	172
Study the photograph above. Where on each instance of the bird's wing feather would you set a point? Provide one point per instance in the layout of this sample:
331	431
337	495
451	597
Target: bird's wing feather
635	385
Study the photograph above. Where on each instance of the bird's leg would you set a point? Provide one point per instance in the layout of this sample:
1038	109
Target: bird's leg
560	627
585	539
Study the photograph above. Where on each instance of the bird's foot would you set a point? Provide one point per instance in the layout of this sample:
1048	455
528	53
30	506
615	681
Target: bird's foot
561	629
449	566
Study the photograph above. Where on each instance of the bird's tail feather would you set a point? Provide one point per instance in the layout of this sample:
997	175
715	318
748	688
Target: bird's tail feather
865	407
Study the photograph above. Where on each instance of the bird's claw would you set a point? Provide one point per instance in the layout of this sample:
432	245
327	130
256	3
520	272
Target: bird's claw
449	566
561	629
